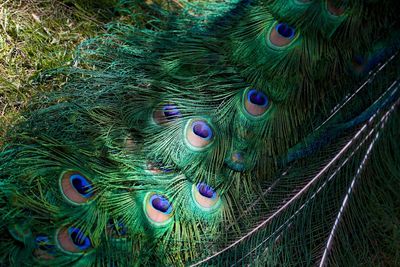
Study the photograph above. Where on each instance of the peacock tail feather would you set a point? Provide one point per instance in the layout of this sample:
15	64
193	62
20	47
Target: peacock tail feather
243	132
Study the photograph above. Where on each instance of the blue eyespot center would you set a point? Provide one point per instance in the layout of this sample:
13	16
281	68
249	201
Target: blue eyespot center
81	185
285	30
161	204
202	129
171	112
257	98
206	190
78	238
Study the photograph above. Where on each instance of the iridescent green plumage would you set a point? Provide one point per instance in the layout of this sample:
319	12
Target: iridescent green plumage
167	143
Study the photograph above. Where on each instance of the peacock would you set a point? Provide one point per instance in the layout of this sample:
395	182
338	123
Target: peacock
237	133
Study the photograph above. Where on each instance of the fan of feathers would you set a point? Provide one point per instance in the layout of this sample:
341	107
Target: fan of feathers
237	133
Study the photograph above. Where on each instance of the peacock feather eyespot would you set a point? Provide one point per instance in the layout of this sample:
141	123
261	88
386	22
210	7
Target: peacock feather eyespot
281	34
165	114
199	134
202	130
255	102
236	161
237	157
359	63
156	167
171	112
117	228
158	208
73	240
76	188
285	30
44	249
205	196
365	64
42	242
130	144
335	7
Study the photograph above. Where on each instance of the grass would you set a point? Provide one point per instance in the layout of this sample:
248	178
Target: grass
37	35
40	35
